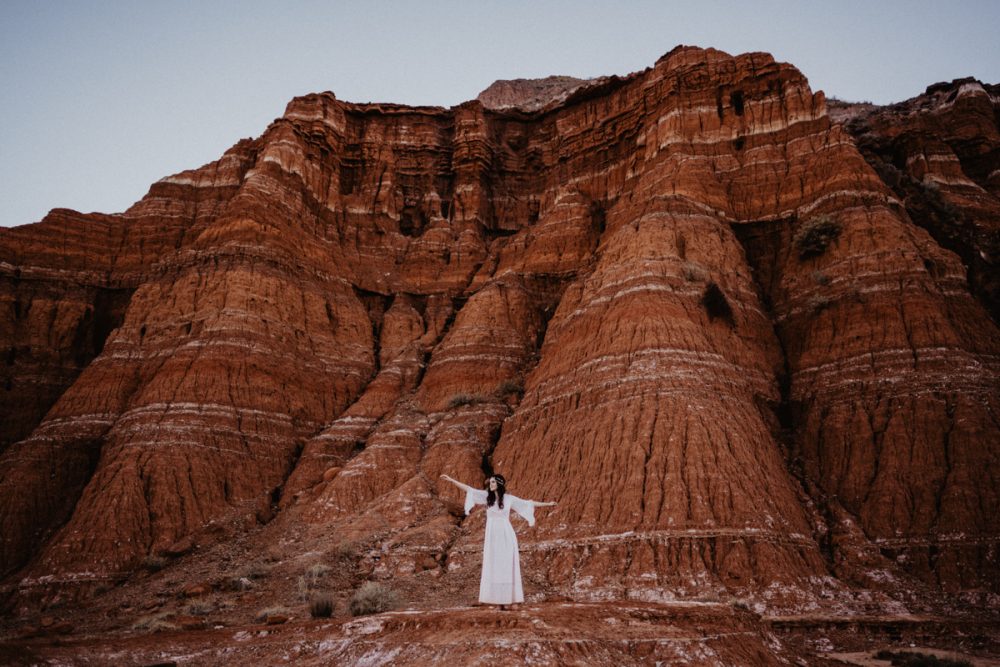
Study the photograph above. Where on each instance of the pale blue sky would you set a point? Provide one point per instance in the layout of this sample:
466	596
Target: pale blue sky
100	99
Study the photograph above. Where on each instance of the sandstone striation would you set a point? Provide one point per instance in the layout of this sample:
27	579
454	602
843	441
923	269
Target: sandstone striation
747	349
939	153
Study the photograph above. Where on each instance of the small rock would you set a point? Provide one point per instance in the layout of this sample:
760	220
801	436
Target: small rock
277	619
195	590
190	622
62	628
179	548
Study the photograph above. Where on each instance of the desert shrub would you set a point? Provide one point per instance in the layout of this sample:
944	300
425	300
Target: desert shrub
317	571
310	580
510	387
716	303
373	598
814	236
200	608
255	570
459	400
346	550
155	622
321	607
915	659
939	206
889	174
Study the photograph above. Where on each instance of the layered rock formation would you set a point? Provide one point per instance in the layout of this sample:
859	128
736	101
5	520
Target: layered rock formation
939	153
681	304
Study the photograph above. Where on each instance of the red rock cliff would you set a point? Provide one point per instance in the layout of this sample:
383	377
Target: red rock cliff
681	304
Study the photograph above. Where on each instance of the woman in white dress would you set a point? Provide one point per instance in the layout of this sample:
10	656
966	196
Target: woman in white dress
500	582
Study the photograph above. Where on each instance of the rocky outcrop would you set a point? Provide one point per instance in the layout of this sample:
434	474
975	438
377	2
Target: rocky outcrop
680	303
530	94
939	153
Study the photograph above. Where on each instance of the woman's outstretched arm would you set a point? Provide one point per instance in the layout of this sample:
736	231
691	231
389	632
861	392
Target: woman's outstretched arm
473	496
465	487
539	503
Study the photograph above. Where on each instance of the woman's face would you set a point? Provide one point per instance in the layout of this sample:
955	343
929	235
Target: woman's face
493	483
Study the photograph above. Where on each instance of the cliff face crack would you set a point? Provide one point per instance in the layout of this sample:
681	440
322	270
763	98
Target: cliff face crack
946	477
906	330
648	454
375	304
876	441
494	438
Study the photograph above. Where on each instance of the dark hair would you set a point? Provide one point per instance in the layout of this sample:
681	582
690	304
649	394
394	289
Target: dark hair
501	489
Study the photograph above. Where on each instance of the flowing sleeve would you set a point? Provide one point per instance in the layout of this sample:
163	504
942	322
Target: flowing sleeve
525	508
474	497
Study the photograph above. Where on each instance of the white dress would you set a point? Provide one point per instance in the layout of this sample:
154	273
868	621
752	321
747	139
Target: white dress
500	582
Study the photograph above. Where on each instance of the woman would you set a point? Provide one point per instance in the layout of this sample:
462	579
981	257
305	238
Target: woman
500	582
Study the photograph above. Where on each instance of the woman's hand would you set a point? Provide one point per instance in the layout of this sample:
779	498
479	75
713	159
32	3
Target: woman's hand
453	481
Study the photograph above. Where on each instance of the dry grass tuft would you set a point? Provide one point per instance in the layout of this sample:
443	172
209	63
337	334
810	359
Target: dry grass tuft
373	598
321	607
814	236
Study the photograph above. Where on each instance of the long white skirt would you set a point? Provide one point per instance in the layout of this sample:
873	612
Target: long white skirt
501	578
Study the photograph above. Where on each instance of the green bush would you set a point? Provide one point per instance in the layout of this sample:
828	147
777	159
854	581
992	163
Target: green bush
373	598
814	236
